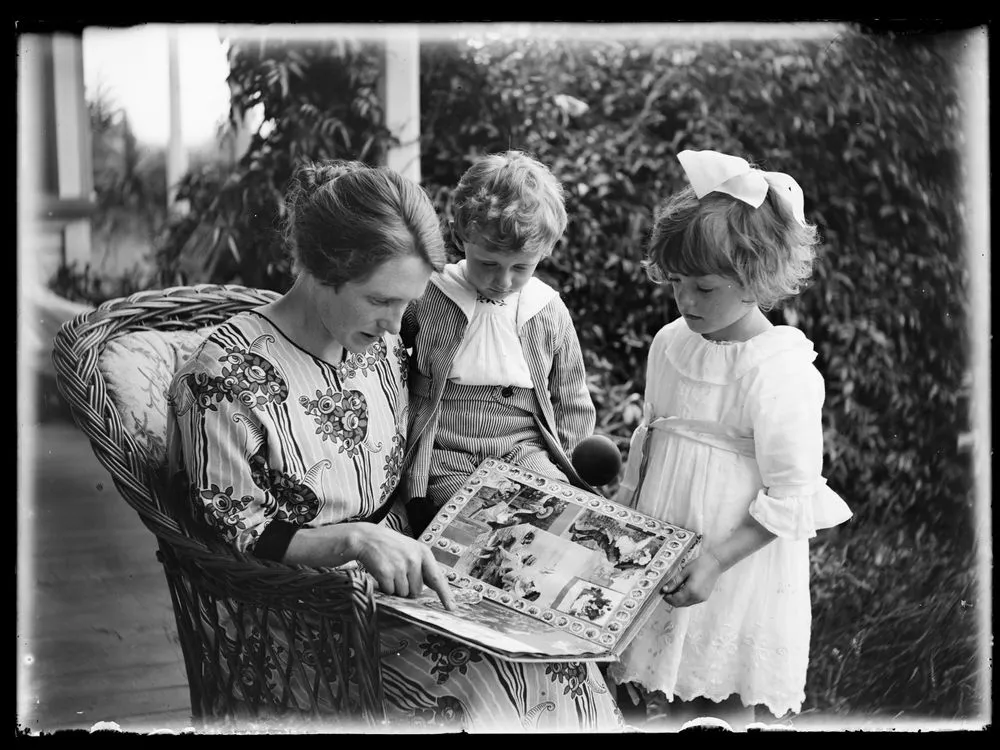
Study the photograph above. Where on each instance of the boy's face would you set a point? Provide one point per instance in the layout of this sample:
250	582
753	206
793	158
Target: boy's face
496	274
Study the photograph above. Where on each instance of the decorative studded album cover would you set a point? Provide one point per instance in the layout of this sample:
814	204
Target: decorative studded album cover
542	570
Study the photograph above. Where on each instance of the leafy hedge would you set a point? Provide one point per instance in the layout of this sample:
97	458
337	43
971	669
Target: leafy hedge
869	129
869	126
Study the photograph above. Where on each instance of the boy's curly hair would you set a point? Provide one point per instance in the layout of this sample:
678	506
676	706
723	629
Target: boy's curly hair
511	202
765	249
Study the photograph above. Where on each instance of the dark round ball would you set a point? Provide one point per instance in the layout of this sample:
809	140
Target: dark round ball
597	460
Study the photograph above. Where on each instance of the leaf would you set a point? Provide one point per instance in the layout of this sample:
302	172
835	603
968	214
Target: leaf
369	141
232	247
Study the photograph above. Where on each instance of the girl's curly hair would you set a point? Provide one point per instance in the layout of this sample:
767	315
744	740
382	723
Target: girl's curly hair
765	249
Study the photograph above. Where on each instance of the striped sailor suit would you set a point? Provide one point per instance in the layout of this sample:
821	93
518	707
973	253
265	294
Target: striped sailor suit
434	326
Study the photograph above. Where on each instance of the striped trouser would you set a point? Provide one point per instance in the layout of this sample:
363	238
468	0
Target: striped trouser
477	422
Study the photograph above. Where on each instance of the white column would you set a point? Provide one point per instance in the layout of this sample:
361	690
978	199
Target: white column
30	161
74	156
177	156
974	75
401	92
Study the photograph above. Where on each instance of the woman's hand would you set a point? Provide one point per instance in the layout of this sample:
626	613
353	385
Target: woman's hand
694	583
399	564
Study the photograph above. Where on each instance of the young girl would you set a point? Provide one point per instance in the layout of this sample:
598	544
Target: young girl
731	446
496	367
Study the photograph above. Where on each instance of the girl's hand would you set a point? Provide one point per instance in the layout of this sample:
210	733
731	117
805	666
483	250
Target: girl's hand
694	583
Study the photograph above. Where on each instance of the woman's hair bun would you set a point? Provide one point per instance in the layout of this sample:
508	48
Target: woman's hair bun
315	175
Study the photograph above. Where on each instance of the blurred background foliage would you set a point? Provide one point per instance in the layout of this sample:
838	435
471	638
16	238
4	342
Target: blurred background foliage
870	126
318	100
130	188
130	184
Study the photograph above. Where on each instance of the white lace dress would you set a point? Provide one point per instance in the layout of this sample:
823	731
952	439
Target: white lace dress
731	428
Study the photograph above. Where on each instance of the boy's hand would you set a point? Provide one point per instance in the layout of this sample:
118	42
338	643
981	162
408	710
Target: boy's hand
420	511
623	495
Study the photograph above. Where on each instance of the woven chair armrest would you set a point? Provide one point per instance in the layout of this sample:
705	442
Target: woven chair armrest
225	572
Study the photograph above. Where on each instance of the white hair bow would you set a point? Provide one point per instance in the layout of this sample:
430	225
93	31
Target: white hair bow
712	172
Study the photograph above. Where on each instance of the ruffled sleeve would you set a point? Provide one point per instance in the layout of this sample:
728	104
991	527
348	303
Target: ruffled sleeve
800	516
787	396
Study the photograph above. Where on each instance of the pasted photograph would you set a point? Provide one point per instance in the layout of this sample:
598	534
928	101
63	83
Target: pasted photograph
282	288
493	509
627	549
533	564
535	546
506	560
505	490
588	601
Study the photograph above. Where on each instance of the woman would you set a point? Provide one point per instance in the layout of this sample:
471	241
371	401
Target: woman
291	421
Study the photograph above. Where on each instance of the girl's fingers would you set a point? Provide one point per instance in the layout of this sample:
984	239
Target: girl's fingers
675	591
674	585
677	598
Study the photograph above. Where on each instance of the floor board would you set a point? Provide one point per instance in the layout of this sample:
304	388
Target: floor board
97	640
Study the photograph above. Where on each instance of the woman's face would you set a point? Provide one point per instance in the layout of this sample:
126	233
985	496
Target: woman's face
359	313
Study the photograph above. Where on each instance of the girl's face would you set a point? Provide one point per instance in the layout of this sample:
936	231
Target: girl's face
496	274
359	313
715	306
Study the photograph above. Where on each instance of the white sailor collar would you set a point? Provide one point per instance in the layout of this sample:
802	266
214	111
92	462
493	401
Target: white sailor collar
533	297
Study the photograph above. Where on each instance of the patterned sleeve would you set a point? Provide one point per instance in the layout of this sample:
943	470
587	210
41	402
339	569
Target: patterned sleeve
216	433
574	409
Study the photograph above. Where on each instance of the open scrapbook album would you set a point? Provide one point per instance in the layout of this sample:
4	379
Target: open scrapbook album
543	571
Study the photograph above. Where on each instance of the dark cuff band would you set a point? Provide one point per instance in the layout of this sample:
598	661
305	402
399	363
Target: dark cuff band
275	540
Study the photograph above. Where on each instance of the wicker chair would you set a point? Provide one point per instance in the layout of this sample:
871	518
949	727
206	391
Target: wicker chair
236	678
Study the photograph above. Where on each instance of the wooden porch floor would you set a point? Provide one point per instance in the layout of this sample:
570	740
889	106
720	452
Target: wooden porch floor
96	636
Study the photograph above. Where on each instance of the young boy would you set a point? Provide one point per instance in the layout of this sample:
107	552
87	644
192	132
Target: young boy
496	368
